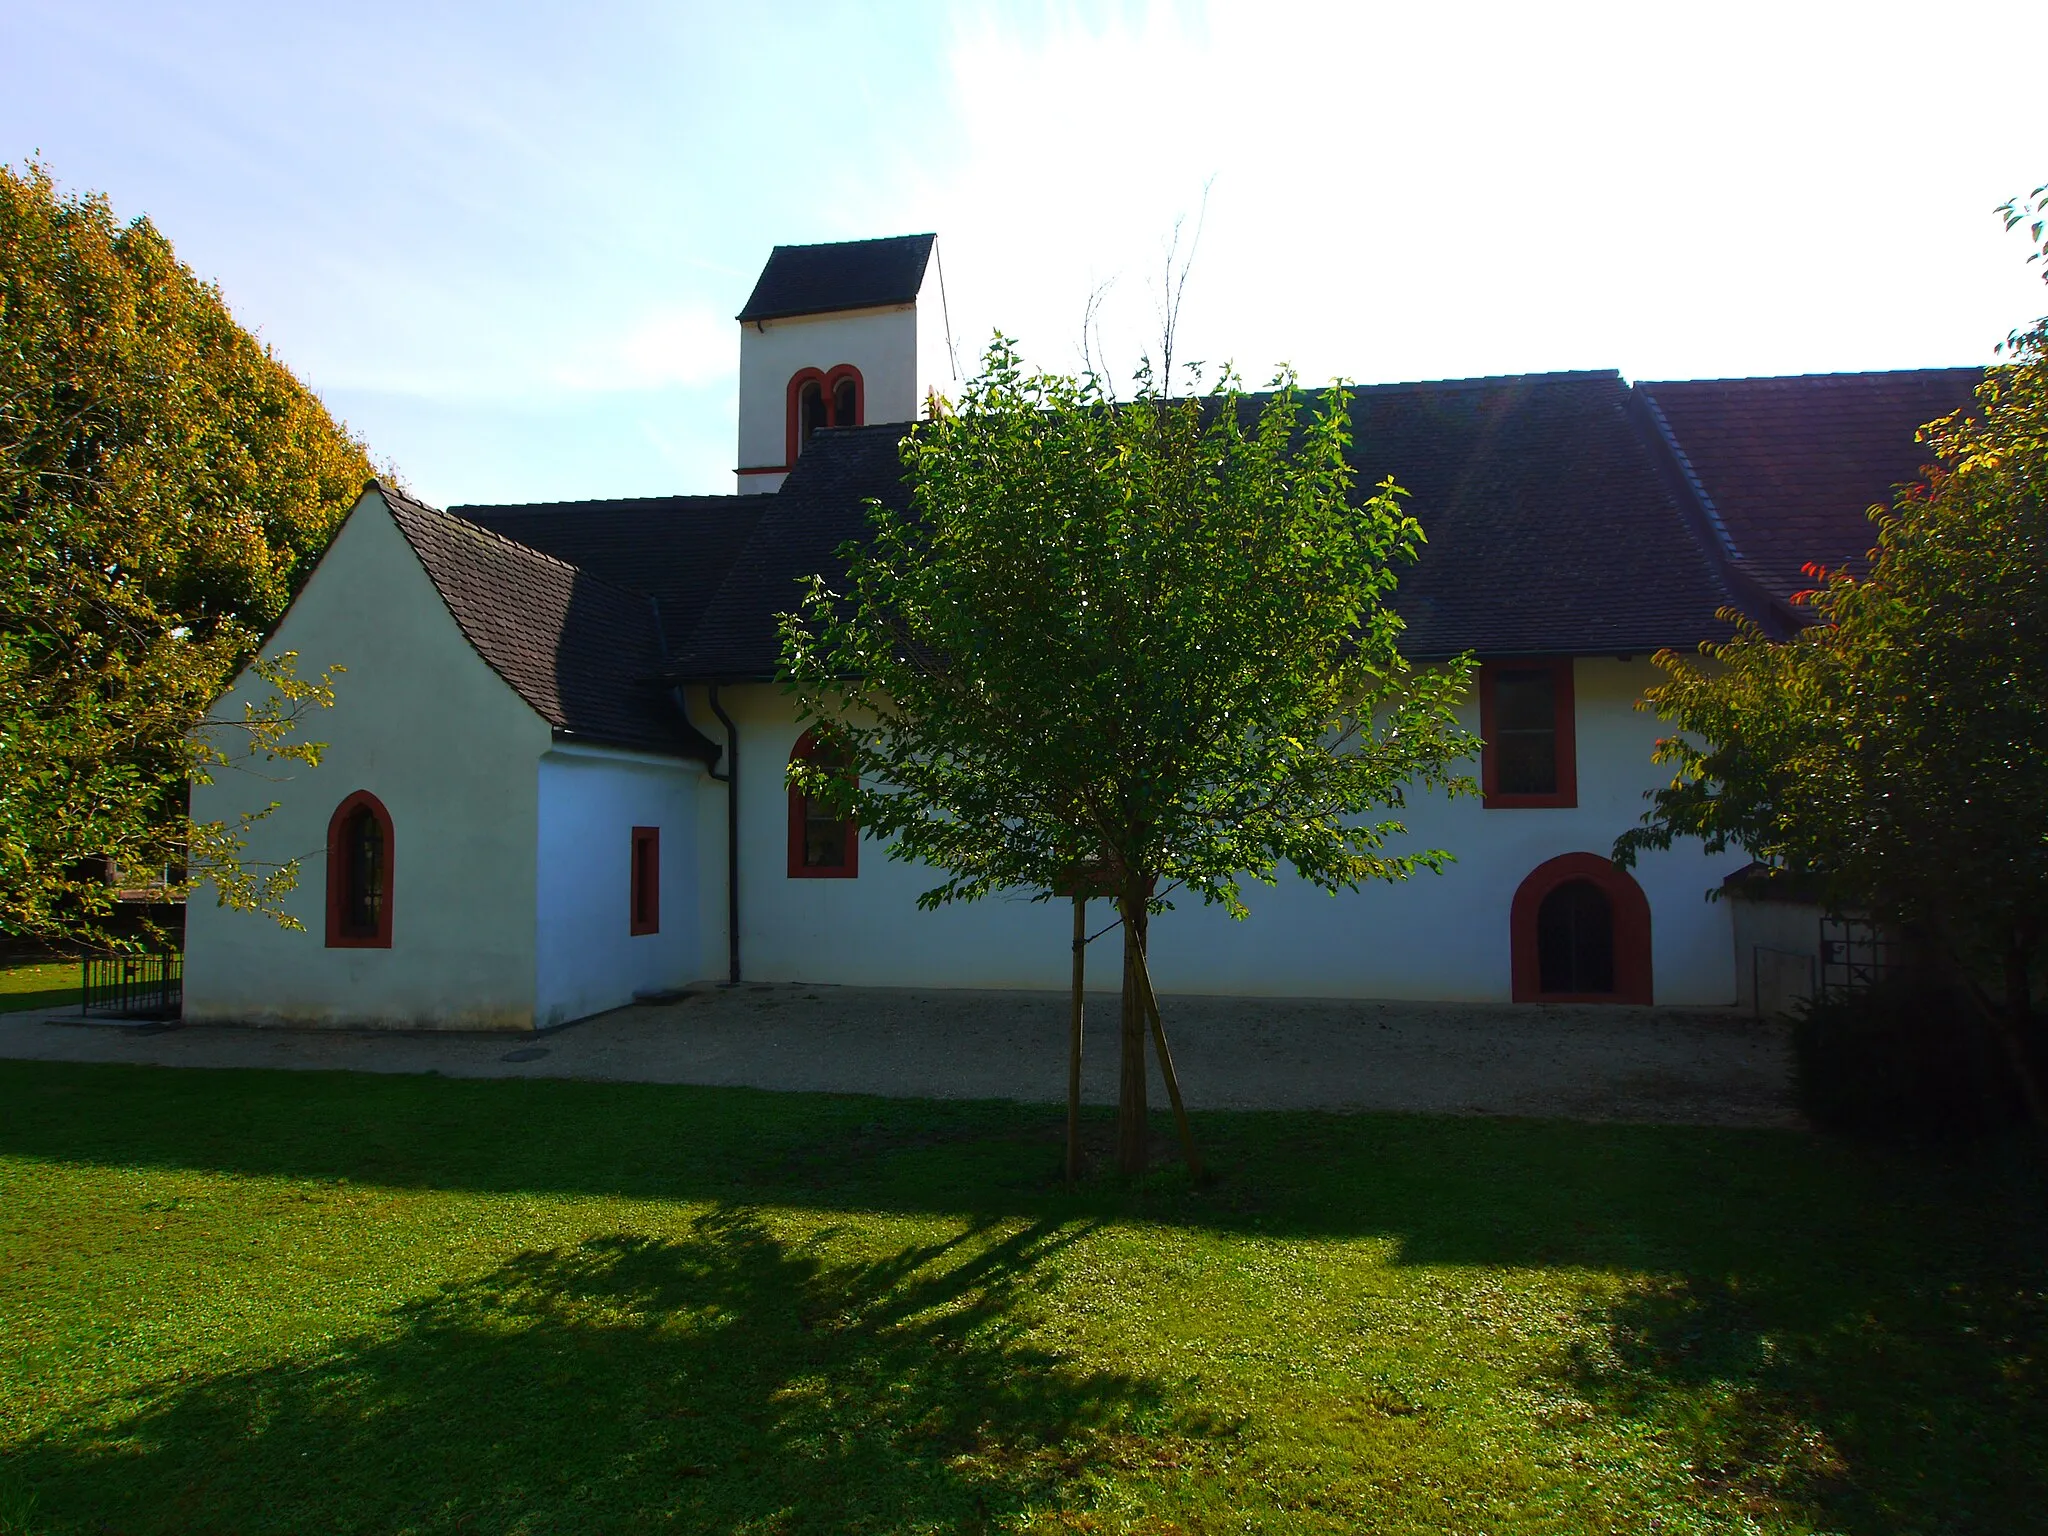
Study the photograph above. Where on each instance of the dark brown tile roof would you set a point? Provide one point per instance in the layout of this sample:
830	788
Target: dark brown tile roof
585	654
1565	514
1785	470
849	274
819	507
1551	529
676	549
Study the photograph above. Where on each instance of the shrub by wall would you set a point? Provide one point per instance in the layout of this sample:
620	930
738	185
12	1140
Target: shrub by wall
1906	1059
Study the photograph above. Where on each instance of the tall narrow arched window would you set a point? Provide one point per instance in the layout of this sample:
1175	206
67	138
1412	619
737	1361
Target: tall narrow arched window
822	844
818	399
359	866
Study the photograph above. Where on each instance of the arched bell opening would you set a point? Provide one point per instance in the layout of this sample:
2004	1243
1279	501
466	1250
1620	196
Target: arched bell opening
835	399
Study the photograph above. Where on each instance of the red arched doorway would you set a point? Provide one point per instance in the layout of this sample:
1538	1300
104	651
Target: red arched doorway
1580	930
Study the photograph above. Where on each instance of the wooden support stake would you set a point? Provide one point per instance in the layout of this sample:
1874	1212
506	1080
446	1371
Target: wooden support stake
1074	1043
1180	1112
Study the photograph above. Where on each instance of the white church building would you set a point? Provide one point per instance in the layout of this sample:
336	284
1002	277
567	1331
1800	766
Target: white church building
555	769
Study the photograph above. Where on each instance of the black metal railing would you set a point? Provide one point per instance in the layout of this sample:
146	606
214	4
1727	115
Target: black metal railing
134	986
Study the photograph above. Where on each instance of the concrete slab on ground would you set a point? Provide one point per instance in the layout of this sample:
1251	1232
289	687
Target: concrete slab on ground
1595	1063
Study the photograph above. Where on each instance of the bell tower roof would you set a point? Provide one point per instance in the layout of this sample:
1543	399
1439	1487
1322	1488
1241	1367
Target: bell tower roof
847	274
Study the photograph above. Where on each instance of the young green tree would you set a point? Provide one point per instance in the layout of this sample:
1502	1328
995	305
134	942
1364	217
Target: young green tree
1149	640
1897	749
166	484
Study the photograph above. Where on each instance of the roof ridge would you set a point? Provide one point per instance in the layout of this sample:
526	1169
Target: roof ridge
591	501
1802	378
1486	380
421	508
1482	381
820	245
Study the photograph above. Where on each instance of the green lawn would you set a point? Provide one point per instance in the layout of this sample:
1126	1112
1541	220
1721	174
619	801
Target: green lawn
250	1302
53	984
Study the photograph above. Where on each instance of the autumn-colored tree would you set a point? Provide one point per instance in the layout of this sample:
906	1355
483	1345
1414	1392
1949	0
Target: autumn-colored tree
1148	643
1896	750
166	483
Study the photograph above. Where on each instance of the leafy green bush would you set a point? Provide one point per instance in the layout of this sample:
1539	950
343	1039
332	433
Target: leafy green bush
1906	1059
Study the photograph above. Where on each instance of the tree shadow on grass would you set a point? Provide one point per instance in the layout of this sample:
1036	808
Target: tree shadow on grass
726	1381
1850	1338
1883	1409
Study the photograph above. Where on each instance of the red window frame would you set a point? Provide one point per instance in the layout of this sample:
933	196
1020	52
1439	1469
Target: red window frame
643	893
339	935
1631	910
1564	724
808	746
828	383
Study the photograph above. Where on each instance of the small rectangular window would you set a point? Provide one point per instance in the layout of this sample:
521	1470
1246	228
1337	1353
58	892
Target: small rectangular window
1525	731
646	891
1526	719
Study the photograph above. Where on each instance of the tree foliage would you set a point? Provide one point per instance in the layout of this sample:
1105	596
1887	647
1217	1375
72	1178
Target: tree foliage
1150	640
1896	750
167	483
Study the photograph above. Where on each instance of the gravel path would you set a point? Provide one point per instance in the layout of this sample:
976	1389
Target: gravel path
1596	1063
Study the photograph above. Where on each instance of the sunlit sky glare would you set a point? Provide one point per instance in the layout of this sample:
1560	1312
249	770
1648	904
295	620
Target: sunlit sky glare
506	242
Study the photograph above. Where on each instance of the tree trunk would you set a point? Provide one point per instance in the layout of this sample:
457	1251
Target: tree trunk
2019	1021
2006	1018
2019	965
2018	1053
1074	1043
1131	1128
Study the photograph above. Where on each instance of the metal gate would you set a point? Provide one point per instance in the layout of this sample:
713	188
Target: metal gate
1855	953
134	986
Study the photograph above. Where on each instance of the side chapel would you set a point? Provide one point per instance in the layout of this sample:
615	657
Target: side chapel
555	775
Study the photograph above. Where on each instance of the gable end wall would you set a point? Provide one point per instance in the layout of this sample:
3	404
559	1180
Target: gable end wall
423	723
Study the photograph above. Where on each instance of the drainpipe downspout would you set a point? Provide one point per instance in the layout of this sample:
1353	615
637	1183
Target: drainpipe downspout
731	779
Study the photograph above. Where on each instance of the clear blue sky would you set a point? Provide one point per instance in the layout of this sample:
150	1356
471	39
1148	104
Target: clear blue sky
505	242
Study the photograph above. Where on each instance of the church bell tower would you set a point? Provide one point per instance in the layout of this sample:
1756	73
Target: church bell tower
841	335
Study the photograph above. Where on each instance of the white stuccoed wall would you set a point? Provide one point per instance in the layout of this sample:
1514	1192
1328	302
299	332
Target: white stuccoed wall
588	958
1436	937
420	721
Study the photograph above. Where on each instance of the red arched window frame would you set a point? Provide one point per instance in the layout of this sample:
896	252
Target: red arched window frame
800	868
828	394
1631	908
341	934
